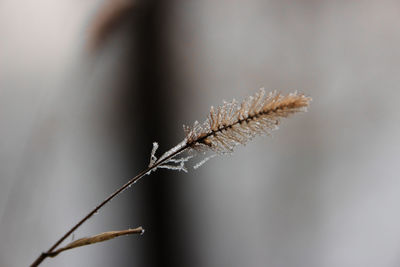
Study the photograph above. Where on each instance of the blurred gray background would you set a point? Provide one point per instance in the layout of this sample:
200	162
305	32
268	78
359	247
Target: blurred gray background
87	86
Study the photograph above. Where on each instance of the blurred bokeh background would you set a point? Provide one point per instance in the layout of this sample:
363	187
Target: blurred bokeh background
87	86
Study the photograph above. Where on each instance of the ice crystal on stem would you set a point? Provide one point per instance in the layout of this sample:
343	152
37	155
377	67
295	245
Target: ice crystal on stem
153	157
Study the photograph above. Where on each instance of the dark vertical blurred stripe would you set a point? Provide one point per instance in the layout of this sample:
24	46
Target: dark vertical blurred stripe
147	109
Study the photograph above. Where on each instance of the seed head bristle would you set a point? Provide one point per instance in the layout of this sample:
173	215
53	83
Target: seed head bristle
236	123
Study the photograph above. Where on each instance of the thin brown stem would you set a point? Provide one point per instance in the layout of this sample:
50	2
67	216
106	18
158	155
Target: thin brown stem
44	255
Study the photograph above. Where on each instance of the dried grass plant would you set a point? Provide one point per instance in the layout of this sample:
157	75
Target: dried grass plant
227	126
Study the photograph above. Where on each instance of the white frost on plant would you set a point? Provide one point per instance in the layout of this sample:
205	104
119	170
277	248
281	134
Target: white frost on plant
169	163
199	164
180	162
173	150
153	157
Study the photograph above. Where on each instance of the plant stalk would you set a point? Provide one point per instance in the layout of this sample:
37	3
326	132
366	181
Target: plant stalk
46	254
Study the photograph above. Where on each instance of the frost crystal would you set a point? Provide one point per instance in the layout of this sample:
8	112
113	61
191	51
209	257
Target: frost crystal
173	150
153	157
199	164
169	163
180	162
